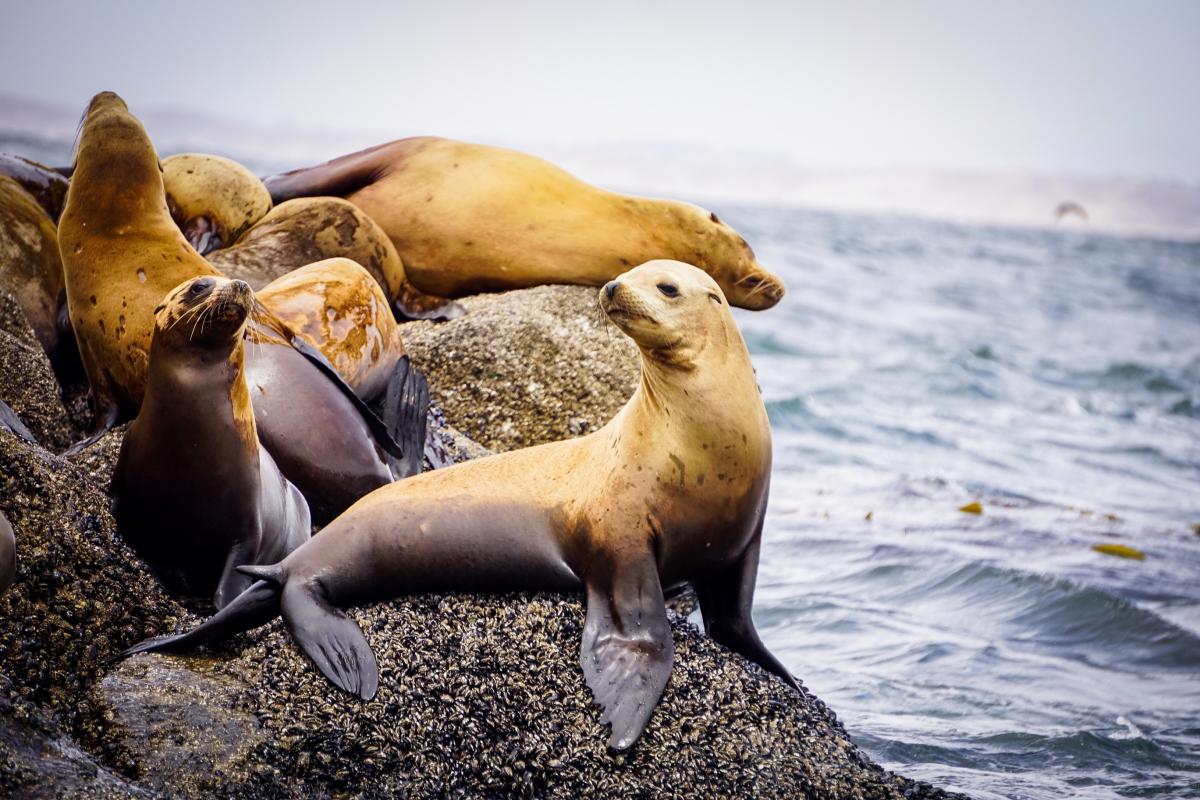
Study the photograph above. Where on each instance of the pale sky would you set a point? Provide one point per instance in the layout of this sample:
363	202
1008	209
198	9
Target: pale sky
1092	87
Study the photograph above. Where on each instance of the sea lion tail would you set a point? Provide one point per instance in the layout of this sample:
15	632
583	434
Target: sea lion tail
404	412
256	606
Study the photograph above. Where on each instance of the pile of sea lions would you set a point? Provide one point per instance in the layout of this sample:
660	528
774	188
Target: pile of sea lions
247	332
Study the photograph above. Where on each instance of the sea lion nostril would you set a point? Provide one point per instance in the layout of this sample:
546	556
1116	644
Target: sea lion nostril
610	289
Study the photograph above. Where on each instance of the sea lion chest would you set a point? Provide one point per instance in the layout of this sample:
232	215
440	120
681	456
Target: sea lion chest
693	491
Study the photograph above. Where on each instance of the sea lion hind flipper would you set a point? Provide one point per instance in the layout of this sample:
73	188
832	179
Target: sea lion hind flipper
331	640
726	599
9	421
256	606
379	430
627	650
337	178
404	412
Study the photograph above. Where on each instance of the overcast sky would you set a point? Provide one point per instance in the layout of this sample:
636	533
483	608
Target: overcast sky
1088	87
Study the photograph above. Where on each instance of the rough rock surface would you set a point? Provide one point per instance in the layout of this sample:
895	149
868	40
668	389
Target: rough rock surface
481	696
29	385
526	367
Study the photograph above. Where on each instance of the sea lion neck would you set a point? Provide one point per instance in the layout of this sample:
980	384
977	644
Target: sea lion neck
117	173
713	386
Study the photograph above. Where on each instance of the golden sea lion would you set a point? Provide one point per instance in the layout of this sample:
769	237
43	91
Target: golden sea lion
310	229
196	495
341	310
213	200
468	218
47	185
122	253
671	491
31	270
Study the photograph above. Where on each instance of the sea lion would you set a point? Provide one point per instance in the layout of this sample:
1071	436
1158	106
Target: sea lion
468	218
310	229
122	253
671	491
213	200
8	554
196	493
47	185
31	270
341	310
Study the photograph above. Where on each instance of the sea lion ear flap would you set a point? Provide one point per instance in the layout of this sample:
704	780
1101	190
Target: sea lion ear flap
333	641
159	307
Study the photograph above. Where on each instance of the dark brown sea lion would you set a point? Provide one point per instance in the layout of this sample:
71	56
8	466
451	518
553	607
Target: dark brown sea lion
8	554
196	494
31	271
672	490
122	253
468	218
213	200
310	229
47	185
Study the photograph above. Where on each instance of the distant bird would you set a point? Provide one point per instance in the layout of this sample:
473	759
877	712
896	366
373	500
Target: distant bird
1067	208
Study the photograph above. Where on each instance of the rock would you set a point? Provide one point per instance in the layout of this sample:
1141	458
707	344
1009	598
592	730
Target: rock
37	760
480	695
80	594
27	383
526	367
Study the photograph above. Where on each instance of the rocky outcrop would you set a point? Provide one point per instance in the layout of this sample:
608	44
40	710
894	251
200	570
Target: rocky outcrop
526	367
29	386
480	696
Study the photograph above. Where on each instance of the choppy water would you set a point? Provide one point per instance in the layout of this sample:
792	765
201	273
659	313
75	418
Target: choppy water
1054	377
915	367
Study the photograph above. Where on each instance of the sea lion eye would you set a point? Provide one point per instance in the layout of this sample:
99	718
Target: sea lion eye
669	289
198	288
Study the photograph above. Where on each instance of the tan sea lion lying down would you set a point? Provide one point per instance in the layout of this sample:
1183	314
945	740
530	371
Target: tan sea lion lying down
469	218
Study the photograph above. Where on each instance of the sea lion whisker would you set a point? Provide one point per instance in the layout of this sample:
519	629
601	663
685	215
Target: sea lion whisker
185	315
203	314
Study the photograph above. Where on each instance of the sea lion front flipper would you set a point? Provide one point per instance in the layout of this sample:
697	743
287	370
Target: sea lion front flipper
331	640
9	421
627	649
414	304
103	420
376	425
726	599
232	582
404	412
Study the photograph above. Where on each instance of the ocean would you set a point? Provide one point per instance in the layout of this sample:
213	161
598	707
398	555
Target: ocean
1052	377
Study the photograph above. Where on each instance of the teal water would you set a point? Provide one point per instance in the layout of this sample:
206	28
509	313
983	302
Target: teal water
1055	378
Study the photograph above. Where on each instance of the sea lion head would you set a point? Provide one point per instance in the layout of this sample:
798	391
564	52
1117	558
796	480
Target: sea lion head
721	251
209	312
116	167
676	313
212	199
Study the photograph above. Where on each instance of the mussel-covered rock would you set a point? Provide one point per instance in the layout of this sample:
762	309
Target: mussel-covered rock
526	367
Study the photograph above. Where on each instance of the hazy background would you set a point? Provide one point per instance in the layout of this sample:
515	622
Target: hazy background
979	111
